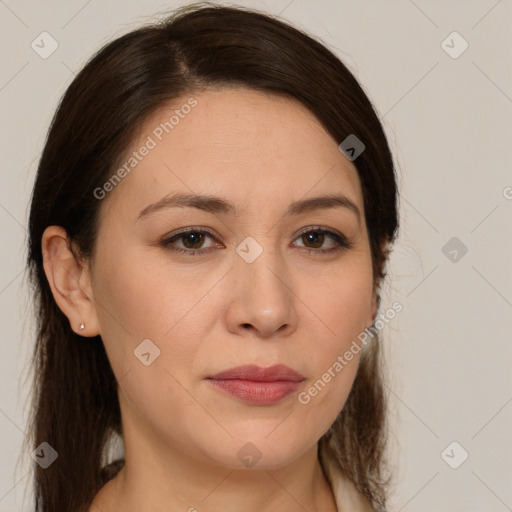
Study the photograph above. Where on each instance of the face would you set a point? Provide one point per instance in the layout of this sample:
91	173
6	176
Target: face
245	278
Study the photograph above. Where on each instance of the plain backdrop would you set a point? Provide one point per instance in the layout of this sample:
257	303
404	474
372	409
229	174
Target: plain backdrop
445	99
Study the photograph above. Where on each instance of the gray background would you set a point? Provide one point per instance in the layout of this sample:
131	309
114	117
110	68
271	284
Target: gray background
449	123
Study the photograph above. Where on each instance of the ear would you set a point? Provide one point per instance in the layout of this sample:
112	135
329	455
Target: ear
70	281
374	309
375	304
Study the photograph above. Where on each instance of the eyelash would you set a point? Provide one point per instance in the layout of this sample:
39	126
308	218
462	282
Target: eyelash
341	240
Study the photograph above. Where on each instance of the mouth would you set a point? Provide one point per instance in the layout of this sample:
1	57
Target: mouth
257	385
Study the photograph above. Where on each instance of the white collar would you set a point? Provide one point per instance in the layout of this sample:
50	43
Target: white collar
347	497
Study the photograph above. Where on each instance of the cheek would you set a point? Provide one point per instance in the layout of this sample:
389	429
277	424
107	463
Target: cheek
139	303
145	297
342	300
342	305
140	298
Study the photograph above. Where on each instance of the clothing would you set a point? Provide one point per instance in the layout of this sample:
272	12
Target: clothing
347	497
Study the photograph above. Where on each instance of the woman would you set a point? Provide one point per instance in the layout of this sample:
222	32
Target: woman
210	223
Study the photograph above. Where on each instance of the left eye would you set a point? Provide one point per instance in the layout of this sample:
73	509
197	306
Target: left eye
193	240
317	237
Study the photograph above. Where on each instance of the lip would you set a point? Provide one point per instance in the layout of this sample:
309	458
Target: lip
257	385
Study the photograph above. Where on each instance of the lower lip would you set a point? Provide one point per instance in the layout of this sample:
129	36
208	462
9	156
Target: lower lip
258	393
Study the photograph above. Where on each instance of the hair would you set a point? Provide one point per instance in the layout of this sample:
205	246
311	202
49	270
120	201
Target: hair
74	403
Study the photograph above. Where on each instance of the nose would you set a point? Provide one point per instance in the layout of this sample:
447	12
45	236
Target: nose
262	300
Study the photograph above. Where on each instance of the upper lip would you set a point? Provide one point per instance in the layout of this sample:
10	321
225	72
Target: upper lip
259	374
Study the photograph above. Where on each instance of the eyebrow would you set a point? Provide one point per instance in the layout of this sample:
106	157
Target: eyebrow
217	205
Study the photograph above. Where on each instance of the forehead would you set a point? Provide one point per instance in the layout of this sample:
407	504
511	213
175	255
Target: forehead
252	147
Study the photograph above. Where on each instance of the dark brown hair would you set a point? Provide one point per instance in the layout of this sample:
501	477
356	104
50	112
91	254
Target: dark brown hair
75	404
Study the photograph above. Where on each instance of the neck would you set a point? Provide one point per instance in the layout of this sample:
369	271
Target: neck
175	482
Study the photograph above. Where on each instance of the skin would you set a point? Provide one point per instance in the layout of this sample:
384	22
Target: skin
214	311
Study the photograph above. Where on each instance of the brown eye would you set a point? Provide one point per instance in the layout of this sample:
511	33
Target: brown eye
314	237
314	240
192	239
192	242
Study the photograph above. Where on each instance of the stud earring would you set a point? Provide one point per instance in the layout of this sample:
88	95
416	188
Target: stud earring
82	326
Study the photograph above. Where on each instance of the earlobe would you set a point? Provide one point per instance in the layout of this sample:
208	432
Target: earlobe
69	280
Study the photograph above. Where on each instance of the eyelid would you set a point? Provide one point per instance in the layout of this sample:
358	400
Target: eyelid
321	229
192	229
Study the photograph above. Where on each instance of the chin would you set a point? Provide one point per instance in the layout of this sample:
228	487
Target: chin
259	452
